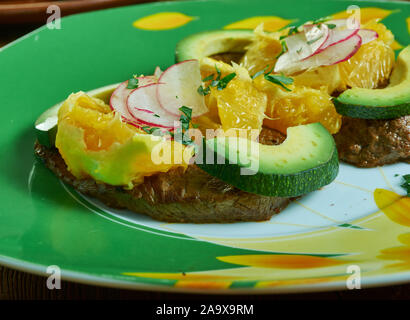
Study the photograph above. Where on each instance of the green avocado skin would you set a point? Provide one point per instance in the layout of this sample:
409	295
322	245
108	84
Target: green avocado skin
279	185
386	103
370	112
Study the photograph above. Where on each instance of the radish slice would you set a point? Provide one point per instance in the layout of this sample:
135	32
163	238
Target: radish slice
316	36
157	72
182	81
367	35
336	36
145	98
118	101
333	54
304	44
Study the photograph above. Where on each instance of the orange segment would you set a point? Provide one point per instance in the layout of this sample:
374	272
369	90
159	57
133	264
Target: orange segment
371	66
328	76
262	52
240	105
302	105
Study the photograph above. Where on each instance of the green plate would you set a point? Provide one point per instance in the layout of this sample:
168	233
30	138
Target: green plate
317	243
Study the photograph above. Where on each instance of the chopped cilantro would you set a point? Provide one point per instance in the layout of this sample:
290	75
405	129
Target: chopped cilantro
151	130
185	120
406	184
280	80
292	30
321	20
218	72
210	77
284	49
203	91
331	26
314	40
218	82
132	83
257	74
225	80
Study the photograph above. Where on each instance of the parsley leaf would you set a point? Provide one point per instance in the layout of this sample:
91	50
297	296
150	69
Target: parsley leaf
331	26
292	30
257	74
203	91
185	120
314	40
280	80
321	20
225	80
132	83
210	77
284	48
406	184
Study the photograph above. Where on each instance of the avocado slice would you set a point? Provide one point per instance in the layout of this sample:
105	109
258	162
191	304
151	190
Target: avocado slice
46	124
306	161
387	103
205	44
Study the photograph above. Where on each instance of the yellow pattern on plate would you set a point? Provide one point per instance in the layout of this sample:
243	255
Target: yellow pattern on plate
270	23
366	14
162	21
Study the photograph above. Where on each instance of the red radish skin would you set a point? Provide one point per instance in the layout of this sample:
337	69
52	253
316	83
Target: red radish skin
298	46
119	97
317	45
357	46
336	37
332	55
367	35
145	98
182	81
118	101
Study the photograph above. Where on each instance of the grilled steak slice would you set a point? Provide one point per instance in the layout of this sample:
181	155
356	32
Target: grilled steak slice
177	196
371	143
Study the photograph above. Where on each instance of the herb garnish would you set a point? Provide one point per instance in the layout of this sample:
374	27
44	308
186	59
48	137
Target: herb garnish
321	20
203	91
179	133
210	77
151	130
132	83
280	80
292	30
185	120
331	26
257	74
218	82
314	40
284	48
406	184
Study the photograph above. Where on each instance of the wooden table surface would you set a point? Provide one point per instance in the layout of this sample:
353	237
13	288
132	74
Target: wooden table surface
17	285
